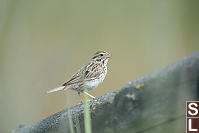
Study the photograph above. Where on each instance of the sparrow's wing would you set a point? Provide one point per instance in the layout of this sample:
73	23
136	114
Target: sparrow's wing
76	78
88	72
93	71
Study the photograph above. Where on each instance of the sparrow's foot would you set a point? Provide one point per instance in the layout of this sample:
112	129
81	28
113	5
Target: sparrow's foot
89	95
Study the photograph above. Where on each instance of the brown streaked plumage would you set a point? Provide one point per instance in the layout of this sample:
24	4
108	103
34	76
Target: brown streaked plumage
90	75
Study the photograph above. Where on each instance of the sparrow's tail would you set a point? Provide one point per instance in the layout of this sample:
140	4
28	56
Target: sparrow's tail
57	89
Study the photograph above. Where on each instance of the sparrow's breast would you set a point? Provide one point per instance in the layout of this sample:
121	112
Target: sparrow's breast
94	83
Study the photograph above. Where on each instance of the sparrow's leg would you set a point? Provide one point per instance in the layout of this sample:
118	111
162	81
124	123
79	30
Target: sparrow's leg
89	95
80	97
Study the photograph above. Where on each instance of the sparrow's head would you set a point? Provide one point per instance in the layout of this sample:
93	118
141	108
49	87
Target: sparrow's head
101	56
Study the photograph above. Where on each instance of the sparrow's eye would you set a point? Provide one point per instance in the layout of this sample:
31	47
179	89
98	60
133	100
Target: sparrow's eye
101	54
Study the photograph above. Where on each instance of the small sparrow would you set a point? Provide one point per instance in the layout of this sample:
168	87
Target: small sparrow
89	76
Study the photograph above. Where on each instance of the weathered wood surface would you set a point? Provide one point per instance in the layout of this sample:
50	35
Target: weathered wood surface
154	103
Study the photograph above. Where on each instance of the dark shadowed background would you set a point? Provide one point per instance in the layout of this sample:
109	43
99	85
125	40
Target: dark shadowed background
42	43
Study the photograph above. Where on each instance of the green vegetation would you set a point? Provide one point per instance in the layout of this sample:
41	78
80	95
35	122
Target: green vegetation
70	122
77	124
87	117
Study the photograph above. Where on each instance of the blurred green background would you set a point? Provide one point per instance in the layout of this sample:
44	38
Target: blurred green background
43	42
